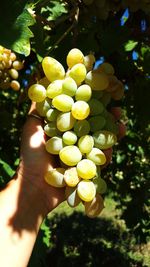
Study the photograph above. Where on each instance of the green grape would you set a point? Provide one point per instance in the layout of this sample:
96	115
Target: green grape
54	89
106	98
55	177
94	207
43	107
78	73
86	190
37	93
53	69
119	92
63	102
97	156
65	121
52	114
97	123
54	145
14	74
97	94
89	61
71	177
80	110
110	124
100	185
70	155
74	57
51	129
69	86
81	127
83	93
97	81
72	197
96	107
104	139
85	143
107	68
69	138
86	169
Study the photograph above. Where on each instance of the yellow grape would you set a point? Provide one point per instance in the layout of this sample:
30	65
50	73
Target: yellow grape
70	155
74	57
15	85
43	107
69	138
86	169
80	110
37	92
85	143
97	156
83	92
89	61
54	145
78	73
55	177
65	121
97	81
14	74
71	177
53	69
72	197
69	86
63	102
86	190
17	65
94	207
54	89
104	139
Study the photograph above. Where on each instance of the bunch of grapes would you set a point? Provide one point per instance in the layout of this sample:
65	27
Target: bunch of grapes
9	67
80	128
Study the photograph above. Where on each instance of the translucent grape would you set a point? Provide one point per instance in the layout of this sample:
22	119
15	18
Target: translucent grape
78	73
72	197
54	145
97	123
52	114
107	68
81	127
74	57
80	110
63	102
17	65
69	86
86	143
97	81
71	177
54	89
86	190
51	129
37	92
15	85
86	169
53	69
104	139
100	185
94	208
55	177
14	74
43	107
83	92
70	155
96	107
65	121
89	61
69	138
97	156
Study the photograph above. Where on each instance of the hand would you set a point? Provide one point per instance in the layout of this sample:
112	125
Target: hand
35	161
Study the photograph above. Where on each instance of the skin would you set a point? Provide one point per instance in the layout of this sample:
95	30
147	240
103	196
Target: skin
27	198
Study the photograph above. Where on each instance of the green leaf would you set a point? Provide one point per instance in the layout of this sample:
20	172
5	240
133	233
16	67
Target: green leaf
130	45
54	10
6	167
14	26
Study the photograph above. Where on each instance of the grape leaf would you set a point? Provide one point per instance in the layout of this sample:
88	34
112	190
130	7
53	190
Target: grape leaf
14	26
130	45
54	10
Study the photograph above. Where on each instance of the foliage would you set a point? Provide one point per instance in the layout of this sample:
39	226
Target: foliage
34	29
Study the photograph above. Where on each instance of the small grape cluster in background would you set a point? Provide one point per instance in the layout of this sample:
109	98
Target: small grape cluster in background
9	67
80	128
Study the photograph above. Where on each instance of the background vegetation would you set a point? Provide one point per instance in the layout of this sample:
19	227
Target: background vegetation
117	32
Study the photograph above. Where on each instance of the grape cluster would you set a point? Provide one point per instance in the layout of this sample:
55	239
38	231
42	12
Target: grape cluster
9	67
102	8
80	128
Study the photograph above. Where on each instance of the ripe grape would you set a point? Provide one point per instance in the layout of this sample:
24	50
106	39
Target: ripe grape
54	145
86	143
54	89
51	129
78	73
69	138
97	156
37	92
71	177
96	107
53	69
52	114
97	81
107	68
83	92
65	121
15	85
69	86
89	61
86	169
55	177
86	190
100	185
97	123
70	155
80	110
72	197
74	57
104	139
63	102
43	107
94	207
81	128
